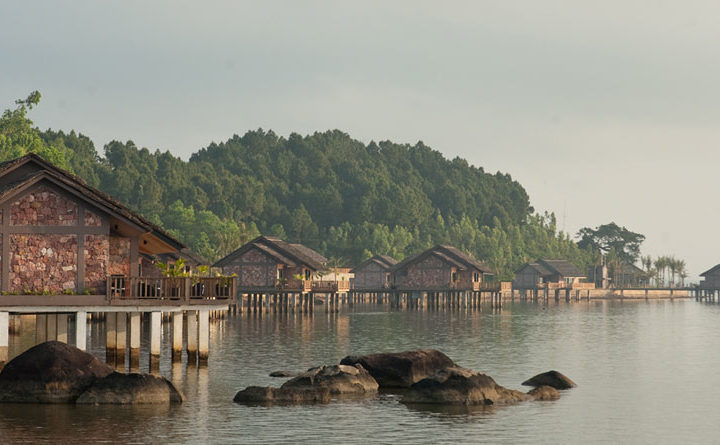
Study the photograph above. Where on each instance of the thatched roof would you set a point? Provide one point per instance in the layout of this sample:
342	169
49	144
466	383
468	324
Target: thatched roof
546	268
384	261
286	253
448	254
563	268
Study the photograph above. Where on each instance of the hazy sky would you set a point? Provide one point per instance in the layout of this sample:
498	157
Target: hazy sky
604	111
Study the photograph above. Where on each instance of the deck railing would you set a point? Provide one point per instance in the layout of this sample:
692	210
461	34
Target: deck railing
120	287
330	286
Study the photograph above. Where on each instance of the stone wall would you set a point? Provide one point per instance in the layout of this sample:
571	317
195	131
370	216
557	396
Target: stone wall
92	219
254	269
372	276
42	263
430	273
119	261
43	207
97	252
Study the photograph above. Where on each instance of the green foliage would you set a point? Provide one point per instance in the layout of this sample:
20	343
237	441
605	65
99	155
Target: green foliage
612	238
344	198
18	136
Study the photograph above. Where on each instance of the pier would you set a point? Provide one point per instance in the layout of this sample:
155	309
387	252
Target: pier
184	302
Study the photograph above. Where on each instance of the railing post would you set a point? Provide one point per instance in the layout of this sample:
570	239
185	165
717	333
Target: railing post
188	287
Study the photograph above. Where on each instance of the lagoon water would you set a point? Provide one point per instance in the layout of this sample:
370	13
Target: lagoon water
646	373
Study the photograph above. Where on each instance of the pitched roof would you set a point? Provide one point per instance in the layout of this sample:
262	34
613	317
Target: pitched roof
287	253
76	184
710	271
630	269
384	261
539	268
448	254
562	267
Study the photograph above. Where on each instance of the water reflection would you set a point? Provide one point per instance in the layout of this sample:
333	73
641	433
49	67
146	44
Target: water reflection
629	359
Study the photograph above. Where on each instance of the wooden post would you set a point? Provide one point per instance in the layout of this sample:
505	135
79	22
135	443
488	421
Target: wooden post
204	336
177	336
121	339
192	336
81	330
4	337
135	340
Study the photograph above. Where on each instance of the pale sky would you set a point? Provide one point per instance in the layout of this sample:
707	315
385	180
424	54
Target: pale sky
603	111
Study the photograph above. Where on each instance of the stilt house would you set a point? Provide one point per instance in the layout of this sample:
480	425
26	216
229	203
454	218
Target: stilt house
547	273
711	278
440	268
374	273
60	236
268	263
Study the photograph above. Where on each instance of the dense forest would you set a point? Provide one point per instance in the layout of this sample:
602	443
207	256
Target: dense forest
347	199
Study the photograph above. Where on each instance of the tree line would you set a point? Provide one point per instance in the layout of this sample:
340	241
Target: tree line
347	199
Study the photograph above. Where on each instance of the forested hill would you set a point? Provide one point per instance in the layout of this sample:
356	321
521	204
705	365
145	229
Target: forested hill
347	199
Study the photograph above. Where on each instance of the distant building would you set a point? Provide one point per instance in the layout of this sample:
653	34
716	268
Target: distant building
268	263
440	268
150	264
711	278
374	273
557	273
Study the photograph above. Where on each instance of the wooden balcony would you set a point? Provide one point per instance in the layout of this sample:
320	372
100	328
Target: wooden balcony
331	286
195	290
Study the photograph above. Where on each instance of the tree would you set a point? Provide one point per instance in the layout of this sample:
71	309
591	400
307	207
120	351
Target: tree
18	137
624	243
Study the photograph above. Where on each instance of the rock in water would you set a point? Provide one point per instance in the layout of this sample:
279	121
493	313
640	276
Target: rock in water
550	378
266	394
460	386
339	379
401	369
544	393
283	374
51	372
130	389
315	385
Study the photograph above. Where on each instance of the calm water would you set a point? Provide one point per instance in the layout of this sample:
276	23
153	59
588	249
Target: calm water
646	373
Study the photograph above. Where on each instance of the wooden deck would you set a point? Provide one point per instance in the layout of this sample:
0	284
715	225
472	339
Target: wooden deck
123	292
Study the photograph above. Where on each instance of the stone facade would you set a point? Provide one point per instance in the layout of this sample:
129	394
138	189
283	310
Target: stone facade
254	269
92	220
97	252
429	273
42	263
119	263
43	207
372	277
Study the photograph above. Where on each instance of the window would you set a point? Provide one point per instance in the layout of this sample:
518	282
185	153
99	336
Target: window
280	274
476	277
307	274
454	277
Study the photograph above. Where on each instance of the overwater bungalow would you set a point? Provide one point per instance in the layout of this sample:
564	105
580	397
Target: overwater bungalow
374	273
440	268
268	264
552	274
67	247
711	278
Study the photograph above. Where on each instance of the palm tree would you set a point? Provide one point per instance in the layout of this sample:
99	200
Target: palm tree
660	267
672	264
681	268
